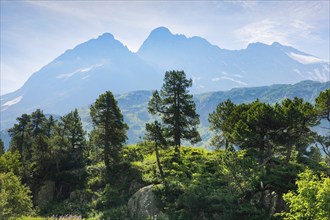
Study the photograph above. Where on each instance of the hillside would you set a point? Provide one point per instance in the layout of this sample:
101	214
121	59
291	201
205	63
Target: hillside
134	104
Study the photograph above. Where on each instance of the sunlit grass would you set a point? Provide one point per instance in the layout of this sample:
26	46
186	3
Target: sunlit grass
67	217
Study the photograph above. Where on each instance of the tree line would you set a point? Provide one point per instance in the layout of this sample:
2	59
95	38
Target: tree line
52	168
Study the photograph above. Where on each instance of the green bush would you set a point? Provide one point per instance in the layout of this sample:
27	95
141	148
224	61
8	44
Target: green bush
79	204
116	213
15	199
311	200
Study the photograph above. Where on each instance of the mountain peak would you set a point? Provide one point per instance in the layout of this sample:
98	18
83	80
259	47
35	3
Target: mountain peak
156	38
277	44
101	44
106	36
161	31
256	45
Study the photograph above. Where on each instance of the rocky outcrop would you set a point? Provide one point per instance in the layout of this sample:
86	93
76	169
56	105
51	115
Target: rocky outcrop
144	205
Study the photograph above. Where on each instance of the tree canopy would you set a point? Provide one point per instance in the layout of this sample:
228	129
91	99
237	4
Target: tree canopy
177	109
311	200
267	160
15	198
110	128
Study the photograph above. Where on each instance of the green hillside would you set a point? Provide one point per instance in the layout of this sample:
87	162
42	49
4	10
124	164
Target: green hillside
134	104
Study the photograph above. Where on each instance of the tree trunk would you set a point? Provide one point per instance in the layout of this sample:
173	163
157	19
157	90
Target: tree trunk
159	165
177	134
106	157
288	154
57	165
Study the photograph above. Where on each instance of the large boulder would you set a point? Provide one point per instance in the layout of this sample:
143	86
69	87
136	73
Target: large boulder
144	205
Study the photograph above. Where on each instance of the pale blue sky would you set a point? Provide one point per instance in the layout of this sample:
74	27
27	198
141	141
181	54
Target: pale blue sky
33	33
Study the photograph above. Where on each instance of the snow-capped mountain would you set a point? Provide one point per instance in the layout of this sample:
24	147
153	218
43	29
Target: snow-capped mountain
78	76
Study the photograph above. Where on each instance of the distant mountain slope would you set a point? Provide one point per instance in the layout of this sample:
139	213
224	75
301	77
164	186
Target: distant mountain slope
78	76
134	104
308	90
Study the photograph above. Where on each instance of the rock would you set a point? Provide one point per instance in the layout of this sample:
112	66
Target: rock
46	193
269	200
144	205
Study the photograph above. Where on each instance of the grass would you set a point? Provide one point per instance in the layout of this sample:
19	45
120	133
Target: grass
66	217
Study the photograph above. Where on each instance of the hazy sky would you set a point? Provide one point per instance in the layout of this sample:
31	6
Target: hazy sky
33	33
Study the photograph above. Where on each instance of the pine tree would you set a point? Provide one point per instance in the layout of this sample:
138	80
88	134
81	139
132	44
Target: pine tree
296	119
109	127
217	120
21	135
323	105
323	110
68	145
177	109
71	128
39	123
155	135
41	154
21	142
2	147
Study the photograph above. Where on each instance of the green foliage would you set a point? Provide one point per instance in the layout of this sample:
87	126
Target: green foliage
21	137
15	199
324	141
209	185
217	120
311	200
2	147
251	127
323	109
135	152
10	162
49	150
266	131
155	133
116	213
68	153
110	197
30	218
261	150
30	137
297	118
323	104
240	171
77	205
110	128
134	106
177	109
96	176
70	129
